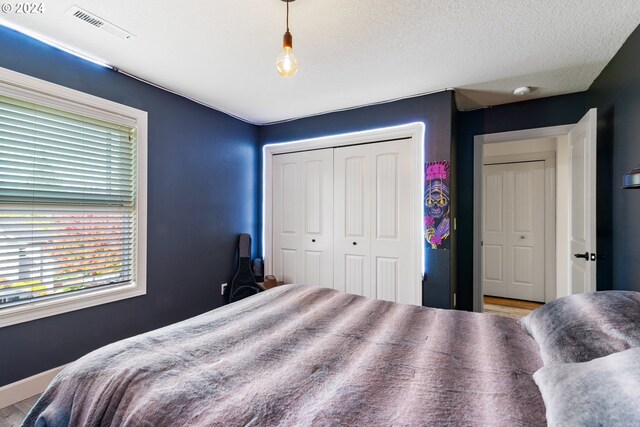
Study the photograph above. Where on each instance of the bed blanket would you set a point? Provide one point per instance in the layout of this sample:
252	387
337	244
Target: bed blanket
306	356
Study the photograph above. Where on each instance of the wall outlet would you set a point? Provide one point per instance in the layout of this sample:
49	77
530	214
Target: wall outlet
223	288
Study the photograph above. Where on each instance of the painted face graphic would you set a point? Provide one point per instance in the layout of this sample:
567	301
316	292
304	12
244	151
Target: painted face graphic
436	199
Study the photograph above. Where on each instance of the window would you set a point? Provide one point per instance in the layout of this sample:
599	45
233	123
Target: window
71	201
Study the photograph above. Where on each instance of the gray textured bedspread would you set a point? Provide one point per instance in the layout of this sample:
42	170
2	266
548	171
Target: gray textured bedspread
299	355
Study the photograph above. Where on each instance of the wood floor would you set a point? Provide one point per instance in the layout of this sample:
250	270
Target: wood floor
509	307
12	416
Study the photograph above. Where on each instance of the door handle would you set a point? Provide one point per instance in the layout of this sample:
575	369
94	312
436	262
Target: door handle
584	255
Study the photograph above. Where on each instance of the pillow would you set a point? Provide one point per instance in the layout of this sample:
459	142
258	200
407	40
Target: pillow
602	392
582	327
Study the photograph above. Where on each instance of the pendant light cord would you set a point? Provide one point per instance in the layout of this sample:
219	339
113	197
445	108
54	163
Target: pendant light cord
287	16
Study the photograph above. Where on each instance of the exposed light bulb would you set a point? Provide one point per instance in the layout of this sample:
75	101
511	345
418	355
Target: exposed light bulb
287	62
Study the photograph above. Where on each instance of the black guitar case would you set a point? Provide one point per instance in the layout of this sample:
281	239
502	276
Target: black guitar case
244	283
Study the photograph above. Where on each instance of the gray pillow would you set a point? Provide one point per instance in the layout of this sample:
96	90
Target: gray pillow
602	392
582	327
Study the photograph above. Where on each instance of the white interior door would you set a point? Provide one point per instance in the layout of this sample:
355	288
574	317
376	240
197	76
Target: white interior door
395	277
352	220
303	217
514	230
373	236
495	244
287	236
582	206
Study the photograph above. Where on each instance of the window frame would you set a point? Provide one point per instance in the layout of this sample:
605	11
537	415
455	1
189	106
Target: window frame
31	89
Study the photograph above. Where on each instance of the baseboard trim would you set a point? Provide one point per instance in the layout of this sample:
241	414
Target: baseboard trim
27	387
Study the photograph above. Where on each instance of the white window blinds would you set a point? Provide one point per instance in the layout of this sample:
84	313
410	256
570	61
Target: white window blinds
67	203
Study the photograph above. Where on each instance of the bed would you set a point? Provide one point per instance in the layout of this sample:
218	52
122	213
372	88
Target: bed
302	355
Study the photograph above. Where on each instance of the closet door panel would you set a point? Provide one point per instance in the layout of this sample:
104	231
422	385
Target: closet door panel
391	243
387	276
527	232
313	269
287	233
495	237
352	220
288	265
317	217
354	275
303	217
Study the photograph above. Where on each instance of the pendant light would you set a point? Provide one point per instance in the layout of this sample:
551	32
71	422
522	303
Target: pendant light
287	61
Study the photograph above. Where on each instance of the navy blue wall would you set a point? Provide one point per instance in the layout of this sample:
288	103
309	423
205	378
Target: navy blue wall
616	94
554	111
202	184
435	111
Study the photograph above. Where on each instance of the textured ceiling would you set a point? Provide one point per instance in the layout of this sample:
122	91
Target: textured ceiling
352	53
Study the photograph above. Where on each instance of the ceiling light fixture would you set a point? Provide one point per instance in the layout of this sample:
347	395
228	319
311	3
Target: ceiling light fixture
287	61
524	90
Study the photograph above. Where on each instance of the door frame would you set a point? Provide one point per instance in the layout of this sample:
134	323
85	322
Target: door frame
549	159
478	165
414	131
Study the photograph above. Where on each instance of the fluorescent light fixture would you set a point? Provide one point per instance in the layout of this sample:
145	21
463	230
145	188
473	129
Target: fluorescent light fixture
53	43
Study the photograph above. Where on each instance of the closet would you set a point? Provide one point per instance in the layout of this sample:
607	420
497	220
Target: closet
513	230
303	217
341	218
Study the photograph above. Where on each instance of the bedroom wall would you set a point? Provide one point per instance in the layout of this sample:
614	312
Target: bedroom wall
435	111
553	111
616	94
202	183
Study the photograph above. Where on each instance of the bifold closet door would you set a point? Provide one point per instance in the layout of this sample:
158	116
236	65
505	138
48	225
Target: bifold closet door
372	238
303	217
513	233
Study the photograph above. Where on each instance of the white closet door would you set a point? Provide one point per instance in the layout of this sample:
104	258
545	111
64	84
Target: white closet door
317	218
495	246
373	240
287	216
303	217
526	232
514	231
391	231
352	220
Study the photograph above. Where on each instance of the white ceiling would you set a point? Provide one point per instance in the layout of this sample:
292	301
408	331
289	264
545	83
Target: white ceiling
352	53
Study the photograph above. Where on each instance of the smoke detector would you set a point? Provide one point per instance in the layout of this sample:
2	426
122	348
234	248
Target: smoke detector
96	21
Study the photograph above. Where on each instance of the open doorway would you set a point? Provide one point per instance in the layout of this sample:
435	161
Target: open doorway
522	194
534	214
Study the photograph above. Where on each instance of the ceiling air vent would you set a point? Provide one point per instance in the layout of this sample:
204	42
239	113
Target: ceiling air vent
98	22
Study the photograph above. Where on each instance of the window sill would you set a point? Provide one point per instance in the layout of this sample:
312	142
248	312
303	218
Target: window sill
64	304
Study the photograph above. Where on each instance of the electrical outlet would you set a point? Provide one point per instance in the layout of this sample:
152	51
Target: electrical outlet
223	288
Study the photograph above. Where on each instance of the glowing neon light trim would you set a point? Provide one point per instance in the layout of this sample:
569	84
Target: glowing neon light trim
319	140
53	43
